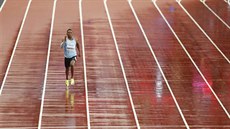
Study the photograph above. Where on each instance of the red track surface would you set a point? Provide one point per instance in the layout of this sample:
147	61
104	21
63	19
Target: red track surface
64	107
213	27
190	89
221	8
108	101
9	35
20	100
151	97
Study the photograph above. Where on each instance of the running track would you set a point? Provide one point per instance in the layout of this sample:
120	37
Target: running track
143	65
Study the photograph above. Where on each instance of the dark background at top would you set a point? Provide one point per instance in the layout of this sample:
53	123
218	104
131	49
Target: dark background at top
1	2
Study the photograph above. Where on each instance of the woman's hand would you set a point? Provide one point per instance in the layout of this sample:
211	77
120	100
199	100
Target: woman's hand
64	39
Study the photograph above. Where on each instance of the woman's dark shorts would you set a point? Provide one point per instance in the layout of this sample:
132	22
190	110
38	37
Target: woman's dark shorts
68	60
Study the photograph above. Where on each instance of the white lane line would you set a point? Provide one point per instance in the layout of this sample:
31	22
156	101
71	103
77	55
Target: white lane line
15	46
179	2
180	42
47	65
204	3
121	63
84	63
158	64
2	5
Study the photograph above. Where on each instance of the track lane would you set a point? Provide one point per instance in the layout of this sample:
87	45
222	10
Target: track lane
109	103
9	27
153	102
64	107
195	98
221	8
216	30
215	69
20	100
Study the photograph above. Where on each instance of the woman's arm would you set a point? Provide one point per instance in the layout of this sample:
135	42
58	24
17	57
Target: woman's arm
78	47
63	42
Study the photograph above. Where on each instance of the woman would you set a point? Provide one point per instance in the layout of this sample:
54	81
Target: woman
69	44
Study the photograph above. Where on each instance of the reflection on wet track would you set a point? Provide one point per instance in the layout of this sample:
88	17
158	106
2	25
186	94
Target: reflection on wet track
109	103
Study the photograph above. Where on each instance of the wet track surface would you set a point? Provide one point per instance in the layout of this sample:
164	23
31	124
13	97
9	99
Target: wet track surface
190	63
